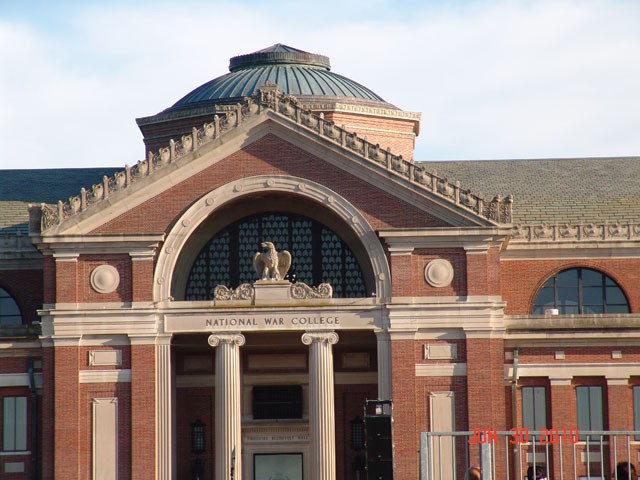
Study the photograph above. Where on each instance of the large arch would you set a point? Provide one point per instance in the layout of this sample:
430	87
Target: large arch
204	207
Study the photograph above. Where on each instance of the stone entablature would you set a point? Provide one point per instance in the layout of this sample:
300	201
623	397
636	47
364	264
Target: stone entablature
497	210
582	232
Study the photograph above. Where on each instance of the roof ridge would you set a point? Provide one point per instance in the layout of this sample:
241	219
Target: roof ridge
497	209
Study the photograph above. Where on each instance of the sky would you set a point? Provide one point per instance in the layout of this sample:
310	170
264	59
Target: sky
493	79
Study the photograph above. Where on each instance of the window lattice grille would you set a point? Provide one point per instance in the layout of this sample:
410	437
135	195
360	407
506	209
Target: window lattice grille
319	256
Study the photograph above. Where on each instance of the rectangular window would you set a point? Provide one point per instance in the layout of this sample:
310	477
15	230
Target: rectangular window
590	409
534	408
277	402
14	424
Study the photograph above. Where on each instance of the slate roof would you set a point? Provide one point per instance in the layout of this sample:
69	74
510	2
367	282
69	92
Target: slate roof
576	190
581	190
19	188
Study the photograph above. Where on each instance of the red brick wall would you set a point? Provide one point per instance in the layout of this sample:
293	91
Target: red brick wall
521	279
349	404
86	265
405	432
142	279
270	155
396	135
85	425
47	410
25	286
407	273
67	280
49	279
143	404
483	272
194	404
67	423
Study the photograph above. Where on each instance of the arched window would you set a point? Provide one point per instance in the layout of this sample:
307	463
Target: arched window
579	291
9	311
319	255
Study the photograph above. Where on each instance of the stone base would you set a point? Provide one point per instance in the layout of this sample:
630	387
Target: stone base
272	292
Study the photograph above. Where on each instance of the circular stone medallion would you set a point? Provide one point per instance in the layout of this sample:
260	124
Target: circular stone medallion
105	279
438	273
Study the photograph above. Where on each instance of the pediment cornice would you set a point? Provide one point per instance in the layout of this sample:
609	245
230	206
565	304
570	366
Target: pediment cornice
285	110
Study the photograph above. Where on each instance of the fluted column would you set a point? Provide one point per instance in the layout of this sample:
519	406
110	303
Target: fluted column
322	420
227	408
163	407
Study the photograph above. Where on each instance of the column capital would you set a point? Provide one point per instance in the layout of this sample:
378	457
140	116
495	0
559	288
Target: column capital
329	337
230	338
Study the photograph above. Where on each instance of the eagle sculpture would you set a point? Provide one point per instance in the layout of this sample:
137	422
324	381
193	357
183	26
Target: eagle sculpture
270	264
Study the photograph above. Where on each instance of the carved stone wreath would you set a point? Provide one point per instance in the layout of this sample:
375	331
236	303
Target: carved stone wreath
302	291
439	273
243	292
104	279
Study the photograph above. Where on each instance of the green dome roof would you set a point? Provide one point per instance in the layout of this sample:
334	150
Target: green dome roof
305	75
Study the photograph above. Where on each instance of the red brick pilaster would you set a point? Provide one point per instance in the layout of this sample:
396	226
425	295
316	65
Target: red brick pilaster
406	438
486	388
66	278
66	410
48	412
142	278
143	409
620	416
563	415
402	284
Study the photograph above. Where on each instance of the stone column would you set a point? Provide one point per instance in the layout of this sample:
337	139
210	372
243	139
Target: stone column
228	435
322	420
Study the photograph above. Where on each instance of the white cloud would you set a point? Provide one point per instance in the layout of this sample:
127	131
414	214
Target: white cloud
493	79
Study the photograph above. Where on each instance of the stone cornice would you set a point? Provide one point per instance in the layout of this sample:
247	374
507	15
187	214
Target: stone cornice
71	244
471	238
17	253
607	330
363	109
46	218
570	370
572	322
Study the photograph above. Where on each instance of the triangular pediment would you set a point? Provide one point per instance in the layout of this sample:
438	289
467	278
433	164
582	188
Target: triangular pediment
270	113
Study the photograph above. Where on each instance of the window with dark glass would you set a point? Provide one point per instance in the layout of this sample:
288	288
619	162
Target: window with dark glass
590	410
277	402
319	256
534	408
9	311
14	424
581	291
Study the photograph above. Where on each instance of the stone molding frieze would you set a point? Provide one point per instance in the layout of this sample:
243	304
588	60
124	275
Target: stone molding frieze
582	232
302	291
299	291
497	209
244	291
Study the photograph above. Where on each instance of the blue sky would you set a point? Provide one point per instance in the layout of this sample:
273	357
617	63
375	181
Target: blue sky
493	79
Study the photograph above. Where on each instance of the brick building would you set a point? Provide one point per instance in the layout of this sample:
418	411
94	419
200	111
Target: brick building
137	340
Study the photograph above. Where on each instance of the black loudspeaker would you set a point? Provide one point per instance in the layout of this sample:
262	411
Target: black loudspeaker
379	447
